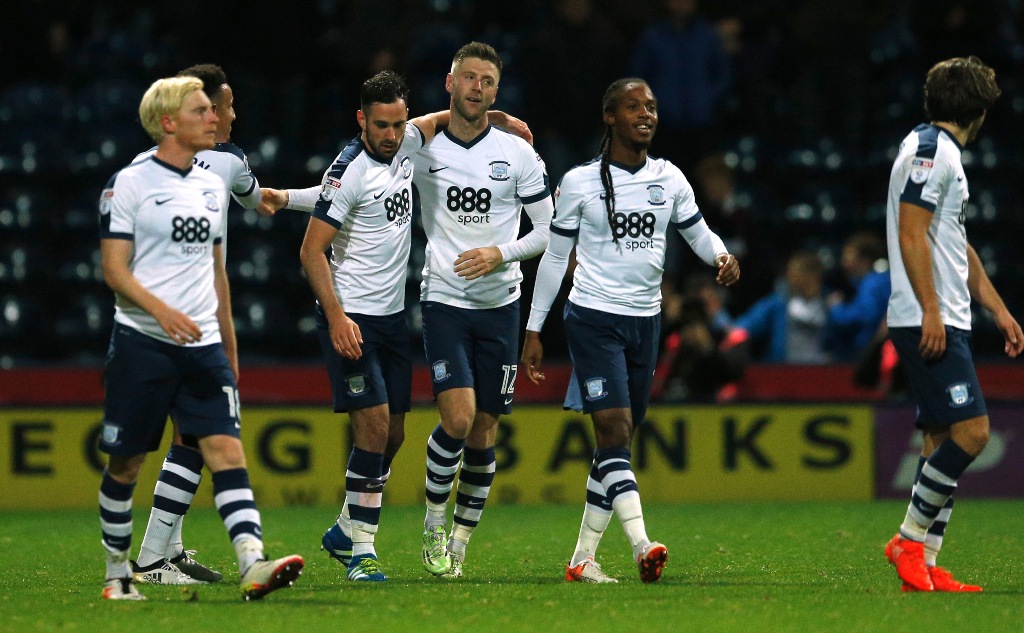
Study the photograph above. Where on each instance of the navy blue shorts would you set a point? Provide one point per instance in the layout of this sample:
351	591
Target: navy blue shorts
383	375
946	390
613	358
473	348
146	380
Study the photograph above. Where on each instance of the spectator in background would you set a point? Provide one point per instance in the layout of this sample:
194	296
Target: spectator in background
588	51
683	59
855	321
790	323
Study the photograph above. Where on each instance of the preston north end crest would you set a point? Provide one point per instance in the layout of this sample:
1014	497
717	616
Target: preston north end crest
959	395
499	170
110	434
655	194
211	201
595	388
440	371
356	384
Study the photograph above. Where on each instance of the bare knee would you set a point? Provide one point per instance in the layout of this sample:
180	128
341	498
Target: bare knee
222	452
971	435
612	428
125	469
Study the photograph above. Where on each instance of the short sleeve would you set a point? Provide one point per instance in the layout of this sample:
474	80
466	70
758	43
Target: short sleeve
684	205
532	184
568	206
118	207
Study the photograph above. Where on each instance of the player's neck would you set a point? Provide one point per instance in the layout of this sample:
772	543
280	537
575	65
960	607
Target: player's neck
627	156
961	134
465	130
174	154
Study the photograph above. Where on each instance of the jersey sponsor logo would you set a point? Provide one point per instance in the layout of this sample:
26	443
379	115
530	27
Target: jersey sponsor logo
920	168
467	201
406	166
211	201
398	208
959	395
636	226
440	371
595	388
655	194
434	170
190	229
106	201
111	434
499	170
330	187
164	201
356	384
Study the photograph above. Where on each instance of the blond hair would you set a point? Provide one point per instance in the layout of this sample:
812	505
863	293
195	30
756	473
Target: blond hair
165	97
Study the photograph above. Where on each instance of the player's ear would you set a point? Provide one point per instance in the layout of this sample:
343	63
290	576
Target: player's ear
361	119
448	82
169	123
609	118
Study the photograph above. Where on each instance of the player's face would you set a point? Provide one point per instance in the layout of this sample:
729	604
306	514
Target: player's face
384	127
224	106
195	124
474	87
635	117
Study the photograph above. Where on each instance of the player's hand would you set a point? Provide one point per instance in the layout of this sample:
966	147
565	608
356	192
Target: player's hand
178	326
533	356
933	336
346	337
1011	333
271	201
477	262
728	269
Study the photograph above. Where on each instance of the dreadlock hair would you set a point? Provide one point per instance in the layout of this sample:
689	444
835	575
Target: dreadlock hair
608	104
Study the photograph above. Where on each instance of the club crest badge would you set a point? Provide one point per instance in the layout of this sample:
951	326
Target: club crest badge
356	384
406	166
110	435
211	201
499	170
595	388
656	194
959	395
440	371
330	187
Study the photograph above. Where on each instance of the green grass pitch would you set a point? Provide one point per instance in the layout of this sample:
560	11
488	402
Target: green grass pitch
732	567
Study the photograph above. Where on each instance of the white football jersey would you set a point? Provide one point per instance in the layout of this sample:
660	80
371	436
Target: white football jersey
928	173
623	277
471	195
174	218
370	203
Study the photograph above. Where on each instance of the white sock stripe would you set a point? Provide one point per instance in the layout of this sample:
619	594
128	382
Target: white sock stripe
595	487
116	529
935	475
440	451
944	515
619	475
239	516
590	508
474	491
448	471
230	496
171	492
627	506
112	505
438	488
930	496
183	472
364	499
367	532
614	460
470	514
487	468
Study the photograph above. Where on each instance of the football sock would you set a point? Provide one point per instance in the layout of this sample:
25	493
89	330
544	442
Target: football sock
443	455
934	488
622	493
116	524
475	481
933	540
597	513
175	488
237	508
345	519
363	487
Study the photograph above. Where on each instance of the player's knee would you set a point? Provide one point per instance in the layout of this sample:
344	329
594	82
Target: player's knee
125	470
972	435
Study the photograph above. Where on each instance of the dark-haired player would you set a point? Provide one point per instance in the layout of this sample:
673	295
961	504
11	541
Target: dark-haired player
616	211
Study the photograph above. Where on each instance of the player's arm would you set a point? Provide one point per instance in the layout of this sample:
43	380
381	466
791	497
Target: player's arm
549	279
224	318
917	259
116	255
706	244
247	190
273	200
477	262
345	334
510	124
985	293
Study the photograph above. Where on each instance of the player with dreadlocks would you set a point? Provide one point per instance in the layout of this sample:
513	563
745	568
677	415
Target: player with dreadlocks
616	210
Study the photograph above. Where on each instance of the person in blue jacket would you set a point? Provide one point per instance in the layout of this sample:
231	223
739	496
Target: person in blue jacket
854	322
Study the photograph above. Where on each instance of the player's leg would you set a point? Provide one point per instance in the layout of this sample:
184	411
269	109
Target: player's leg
597	514
448	345
363	488
953	415
140	379
495	333
207	407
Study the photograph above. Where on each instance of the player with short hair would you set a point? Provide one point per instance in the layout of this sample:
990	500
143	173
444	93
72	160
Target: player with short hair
935	274
160	227
163	558
472	180
616	211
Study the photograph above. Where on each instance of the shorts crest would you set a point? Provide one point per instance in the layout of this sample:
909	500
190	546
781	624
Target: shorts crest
595	388
440	371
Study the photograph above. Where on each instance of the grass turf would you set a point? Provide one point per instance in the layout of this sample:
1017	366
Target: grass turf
732	567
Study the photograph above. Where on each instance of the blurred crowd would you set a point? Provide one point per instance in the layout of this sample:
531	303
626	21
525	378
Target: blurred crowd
784	115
